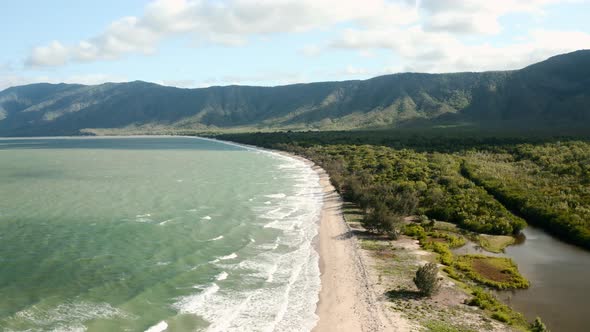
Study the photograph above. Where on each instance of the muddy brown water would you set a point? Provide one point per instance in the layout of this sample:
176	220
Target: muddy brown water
560	280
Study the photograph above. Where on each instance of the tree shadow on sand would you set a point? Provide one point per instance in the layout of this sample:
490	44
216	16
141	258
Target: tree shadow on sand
352	233
403	294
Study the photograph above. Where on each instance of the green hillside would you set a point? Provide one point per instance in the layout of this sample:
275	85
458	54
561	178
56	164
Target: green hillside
552	93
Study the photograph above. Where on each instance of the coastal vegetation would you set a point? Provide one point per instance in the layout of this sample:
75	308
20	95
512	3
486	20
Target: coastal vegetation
538	326
445	190
489	184
445	311
427	280
495	244
499	311
548	185
496	272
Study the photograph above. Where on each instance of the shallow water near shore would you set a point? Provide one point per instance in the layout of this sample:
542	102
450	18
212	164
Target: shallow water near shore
144	234
560	280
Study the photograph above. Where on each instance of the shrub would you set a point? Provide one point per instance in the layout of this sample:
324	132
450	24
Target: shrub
453	241
484	300
371	222
442	249
501	317
538	326
499	310
415	230
427	279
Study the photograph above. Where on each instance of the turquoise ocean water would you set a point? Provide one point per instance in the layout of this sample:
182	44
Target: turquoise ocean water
154	234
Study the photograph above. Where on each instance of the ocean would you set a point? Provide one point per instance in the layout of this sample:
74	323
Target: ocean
154	234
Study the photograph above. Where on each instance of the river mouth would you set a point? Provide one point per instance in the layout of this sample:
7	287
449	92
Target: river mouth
559	274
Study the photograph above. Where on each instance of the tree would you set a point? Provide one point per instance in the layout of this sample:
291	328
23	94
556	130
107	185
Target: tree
427	279
381	220
538	326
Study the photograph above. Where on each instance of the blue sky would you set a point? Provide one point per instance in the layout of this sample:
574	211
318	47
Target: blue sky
196	43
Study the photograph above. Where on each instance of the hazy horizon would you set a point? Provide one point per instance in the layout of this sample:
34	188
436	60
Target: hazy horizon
189	43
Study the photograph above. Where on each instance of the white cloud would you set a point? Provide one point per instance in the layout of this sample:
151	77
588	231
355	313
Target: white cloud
426	51
424	35
53	54
230	23
409	42
473	16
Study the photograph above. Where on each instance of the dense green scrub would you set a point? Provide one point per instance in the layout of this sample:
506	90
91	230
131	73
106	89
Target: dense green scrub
409	183
476	181
548	185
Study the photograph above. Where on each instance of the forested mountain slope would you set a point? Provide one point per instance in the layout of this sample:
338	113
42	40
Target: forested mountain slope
555	92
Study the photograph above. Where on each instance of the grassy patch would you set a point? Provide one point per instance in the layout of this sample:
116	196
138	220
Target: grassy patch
414	230
445	256
373	245
452	273
494	243
438	326
438	241
496	272
499	311
446	226
454	241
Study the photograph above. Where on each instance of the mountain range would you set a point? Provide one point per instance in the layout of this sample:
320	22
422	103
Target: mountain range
551	93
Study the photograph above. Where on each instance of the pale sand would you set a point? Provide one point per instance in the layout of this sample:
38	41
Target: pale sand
348	301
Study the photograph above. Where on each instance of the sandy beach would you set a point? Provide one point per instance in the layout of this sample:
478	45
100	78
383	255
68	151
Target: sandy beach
348	301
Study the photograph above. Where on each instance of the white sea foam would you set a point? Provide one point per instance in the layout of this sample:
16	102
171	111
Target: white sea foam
222	276
233	255
270	246
191	303
271	273
206	218
280	212
160	327
143	217
272	224
280	195
216	238
164	222
74	313
291	271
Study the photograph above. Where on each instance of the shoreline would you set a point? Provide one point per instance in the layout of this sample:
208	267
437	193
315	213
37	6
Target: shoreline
353	292
347	299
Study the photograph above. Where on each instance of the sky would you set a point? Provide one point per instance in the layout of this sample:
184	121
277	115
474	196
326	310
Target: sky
200	43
